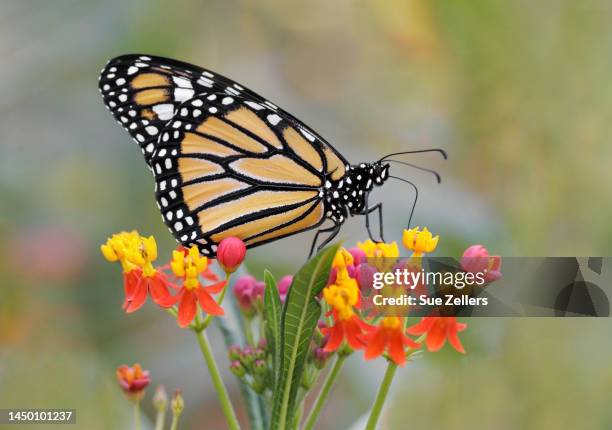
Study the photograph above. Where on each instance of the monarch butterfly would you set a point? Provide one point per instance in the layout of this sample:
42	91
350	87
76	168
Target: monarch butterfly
228	162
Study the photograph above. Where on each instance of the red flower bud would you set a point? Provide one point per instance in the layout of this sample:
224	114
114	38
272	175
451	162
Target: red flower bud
133	380
231	253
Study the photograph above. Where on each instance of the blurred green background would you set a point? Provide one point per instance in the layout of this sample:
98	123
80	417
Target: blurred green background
517	92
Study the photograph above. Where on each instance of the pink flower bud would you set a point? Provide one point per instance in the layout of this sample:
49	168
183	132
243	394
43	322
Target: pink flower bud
359	255
320	357
231	253
365	276
237	368
476	259
249	292
242	290
283	287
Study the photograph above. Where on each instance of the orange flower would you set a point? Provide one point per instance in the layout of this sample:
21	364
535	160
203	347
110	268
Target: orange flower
133	380
438	330
389	335
136	254
137	285
189	265
343	296
353	329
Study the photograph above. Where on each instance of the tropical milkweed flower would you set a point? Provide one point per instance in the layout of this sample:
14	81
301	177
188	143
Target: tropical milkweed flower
390	336
380	254
283	287
136	254
133	380
231	253
419	241
476	259
249	293
189	265
438	330
342	296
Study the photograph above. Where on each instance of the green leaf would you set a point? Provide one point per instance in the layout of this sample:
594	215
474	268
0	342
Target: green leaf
299	319
272	317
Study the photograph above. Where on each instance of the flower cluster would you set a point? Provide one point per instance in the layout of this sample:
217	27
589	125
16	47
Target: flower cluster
252	366
188	285
137	253
353	328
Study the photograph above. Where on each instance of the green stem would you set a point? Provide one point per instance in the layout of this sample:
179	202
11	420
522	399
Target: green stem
248	332
381	396
330	380
174	424
159	419
137	424
213	369
298	415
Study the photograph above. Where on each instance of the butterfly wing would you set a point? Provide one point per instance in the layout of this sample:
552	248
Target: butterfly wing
230	166
143	92
227	162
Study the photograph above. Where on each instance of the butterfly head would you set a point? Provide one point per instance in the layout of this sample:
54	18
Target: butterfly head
381	172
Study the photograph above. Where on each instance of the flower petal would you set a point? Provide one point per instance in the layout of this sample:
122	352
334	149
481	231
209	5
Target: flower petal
375	345
207	303
158	288
453	338
421	327
354	335
139	297
215	288
336	335
436	336
395	348
187	308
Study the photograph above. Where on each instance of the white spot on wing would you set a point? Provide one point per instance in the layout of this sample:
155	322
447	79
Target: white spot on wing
254	105
182	82
274	119
164	111
205	82
182	94
307	135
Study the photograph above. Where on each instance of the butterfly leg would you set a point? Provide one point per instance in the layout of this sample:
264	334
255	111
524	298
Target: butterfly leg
333	230
367	212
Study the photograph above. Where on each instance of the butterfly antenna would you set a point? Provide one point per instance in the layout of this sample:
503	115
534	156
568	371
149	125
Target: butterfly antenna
418	151
416	195
433	172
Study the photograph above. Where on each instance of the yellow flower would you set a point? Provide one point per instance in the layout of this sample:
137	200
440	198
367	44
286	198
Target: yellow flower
342	259
381	255
391	323
342	295
189	265
132	251
420	242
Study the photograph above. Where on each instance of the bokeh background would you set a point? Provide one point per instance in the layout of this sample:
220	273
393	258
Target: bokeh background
517	92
